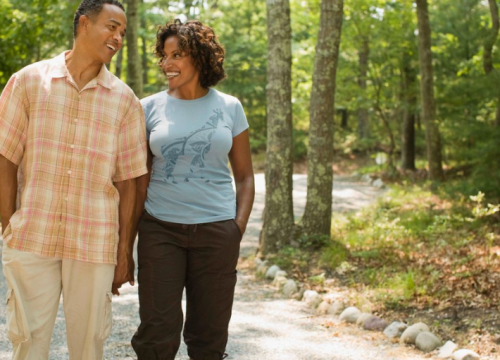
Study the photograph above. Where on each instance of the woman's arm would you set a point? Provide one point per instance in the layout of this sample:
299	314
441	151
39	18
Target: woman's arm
241	164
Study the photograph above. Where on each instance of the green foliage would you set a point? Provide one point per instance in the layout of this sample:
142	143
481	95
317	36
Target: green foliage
466	98
333	255
410	246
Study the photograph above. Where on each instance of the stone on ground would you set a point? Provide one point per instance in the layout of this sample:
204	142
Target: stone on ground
362	318
350	314
395	329
323	308
464	354
280	273
410	334
312	298
262	268
279	282
446	351
427	341
289	288
336	308
271	272
375	323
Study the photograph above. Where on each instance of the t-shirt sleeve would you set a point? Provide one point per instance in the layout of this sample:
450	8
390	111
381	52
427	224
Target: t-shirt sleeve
240	120
14	110
131	155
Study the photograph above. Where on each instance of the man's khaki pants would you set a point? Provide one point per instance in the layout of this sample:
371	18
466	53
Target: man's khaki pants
34	285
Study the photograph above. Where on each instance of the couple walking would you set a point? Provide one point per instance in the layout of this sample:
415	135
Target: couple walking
84	166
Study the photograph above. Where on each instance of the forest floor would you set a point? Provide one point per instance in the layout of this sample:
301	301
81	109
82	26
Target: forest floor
462	305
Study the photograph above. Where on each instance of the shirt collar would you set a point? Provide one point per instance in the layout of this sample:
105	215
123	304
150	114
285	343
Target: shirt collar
60	70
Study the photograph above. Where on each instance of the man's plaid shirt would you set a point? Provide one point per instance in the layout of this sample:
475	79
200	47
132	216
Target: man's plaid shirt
71	146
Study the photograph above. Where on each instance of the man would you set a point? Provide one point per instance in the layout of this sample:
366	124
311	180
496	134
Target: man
76	133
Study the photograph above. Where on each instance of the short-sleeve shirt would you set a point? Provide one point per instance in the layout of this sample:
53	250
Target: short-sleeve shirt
71	145
190	140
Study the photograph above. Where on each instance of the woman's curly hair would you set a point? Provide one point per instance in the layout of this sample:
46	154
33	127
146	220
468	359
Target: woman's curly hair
201	43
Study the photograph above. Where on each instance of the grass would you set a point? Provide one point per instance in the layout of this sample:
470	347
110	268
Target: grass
421	248
414	247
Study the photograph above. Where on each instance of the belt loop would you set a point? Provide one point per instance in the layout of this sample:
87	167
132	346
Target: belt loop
195	227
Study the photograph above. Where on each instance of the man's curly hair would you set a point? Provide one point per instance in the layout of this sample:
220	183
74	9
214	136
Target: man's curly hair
201	43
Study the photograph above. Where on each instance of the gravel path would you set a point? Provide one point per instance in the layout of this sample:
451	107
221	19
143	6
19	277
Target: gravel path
263	325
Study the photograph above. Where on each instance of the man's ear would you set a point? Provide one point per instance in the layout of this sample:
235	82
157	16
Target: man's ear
83	22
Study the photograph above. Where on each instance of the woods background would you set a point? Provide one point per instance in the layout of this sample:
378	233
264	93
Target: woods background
334	82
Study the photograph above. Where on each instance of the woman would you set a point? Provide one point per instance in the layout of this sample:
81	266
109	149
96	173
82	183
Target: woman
190	231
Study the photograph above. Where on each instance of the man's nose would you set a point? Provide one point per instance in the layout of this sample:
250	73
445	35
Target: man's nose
118	38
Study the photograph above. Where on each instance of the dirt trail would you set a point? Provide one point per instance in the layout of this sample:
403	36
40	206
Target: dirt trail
263	325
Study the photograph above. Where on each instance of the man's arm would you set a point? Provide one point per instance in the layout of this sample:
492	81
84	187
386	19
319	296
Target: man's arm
8	190
142	187
125	266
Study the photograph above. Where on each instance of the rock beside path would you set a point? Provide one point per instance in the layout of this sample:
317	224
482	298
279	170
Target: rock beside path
446	351
427	341
395	329
464	354
350	315
410	334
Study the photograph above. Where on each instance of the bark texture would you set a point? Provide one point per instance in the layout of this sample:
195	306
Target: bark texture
278	214
409	79
432	136
492	37
145	59
318	212
134	64
488	50
363	115
119	61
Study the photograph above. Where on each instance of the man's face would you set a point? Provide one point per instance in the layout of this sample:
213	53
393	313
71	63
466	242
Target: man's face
103	35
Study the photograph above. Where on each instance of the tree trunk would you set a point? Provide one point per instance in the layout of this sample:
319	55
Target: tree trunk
278	219
409	105
134	68
492	37
344	123
363	116
488	50
145	60
318	212
119	62
432	136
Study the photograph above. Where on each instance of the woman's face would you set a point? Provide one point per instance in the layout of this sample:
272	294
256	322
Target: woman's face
179	67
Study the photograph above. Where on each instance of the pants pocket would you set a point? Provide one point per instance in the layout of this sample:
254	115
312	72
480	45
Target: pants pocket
107	319
17	329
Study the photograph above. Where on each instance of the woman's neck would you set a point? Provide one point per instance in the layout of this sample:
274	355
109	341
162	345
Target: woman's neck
188	94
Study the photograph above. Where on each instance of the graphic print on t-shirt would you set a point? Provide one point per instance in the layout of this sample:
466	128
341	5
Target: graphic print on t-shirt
196	145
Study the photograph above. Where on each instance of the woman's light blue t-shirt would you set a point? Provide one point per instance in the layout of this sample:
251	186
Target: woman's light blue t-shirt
190	139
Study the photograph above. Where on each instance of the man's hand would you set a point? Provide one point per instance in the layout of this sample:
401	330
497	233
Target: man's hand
124	272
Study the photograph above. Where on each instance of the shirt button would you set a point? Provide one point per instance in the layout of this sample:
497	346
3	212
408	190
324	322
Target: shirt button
69	172
76	120
72	146
66	198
